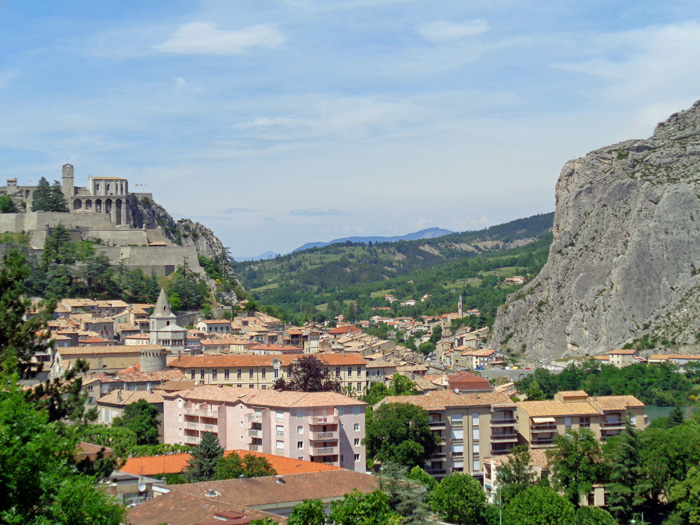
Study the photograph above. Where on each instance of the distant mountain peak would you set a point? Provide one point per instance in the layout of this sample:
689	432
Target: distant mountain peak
428	233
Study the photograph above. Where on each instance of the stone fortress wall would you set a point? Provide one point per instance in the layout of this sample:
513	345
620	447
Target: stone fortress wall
101	211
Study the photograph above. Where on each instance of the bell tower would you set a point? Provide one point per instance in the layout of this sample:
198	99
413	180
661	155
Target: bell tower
68	182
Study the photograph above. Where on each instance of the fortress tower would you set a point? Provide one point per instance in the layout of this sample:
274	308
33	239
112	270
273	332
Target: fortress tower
68	181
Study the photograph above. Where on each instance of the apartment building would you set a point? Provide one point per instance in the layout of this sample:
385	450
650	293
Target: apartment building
622	357
261	371
471	427
324	427
539	422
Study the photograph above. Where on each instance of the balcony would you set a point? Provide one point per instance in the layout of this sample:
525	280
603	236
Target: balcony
323	451
612	425
438	456
543	428
199	412
192	439
254	448
542	442
280	433
324	436
437	425
208	427
257	418
502	438
436	471
503	422
323	420
254	432
192	425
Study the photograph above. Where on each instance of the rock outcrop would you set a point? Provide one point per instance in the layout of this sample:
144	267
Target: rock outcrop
625	260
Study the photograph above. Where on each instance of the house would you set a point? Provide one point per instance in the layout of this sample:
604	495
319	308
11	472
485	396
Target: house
214	326
470	426
539	422
99	358
622	357
216	501
324	427
467	382
261	371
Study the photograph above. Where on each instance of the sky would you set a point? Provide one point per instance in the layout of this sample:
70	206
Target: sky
277	123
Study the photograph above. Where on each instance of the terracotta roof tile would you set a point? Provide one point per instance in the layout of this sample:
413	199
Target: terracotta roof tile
447	399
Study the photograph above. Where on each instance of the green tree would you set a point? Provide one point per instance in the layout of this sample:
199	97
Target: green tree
357	508
202	464
422	477
624	475
460	499
121	440
7	205
400	433
594	516
142	419
436	335
375	393
515	474
686	496
402	386
405	496
308	512
39	482
539	505
576	463
49	198
675	418
249	466
308	374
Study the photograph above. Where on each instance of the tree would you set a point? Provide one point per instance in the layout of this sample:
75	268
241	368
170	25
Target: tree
534	392
141	418
686	496
7	205
539	505
576	463
675	418
405	497
436	335
421	476
308	512
624	475
402	386
515	474
594	516
249	466
20	338
308	374
460	499
49	198
357	508
39	482
400	433
202	464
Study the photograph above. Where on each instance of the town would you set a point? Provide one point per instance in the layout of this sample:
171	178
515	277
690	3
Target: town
246	381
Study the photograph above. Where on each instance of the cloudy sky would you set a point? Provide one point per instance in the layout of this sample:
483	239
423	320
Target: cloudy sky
280	122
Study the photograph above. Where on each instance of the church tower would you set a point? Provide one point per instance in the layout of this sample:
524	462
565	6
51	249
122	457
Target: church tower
161	317
460	306
68	182
164	330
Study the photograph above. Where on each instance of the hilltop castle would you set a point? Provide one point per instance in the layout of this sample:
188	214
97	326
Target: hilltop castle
104	211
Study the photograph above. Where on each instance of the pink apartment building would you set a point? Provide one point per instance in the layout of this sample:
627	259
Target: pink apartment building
324	427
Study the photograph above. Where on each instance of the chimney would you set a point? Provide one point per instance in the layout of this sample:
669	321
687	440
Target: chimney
119	396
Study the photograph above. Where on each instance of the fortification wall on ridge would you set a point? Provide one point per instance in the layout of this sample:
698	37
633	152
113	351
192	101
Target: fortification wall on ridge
163	260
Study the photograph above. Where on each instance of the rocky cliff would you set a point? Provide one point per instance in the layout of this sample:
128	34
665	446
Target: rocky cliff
625	260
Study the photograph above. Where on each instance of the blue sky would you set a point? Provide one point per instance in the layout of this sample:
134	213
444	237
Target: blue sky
277	123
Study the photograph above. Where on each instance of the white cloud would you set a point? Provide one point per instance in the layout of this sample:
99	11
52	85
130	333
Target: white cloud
203	38
442	31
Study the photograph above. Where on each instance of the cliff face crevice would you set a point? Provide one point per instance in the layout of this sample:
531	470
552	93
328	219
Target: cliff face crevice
625	260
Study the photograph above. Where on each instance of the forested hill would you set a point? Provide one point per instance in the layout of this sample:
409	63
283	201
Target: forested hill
309	281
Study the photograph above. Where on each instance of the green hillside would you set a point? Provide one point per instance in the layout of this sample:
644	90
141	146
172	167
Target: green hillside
354	278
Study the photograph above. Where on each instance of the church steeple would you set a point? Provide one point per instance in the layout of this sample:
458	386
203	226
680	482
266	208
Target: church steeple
162	309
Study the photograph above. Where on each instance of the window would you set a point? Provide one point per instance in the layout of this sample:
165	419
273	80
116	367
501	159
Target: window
239	385
475	449
584	422
633	421
214	374
357	457
337	371
356	411
359	387
276	373
357	427
264	387
251	385
300	445
457	420
359	371
475	466
280	430
475	434
201	375
349	371
227	373
458	465
475	420
458	449
567	422
280	415
280	446
251	373
357	442
192	375
457	433
179	431
264	371
238	372
300	429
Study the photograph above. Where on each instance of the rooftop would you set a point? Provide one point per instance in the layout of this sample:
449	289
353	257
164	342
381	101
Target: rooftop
446	399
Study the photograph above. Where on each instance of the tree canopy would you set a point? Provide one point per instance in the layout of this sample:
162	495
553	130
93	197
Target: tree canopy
249	466
539	505
49	197
400	433
205	456
141	419
309	374
460	499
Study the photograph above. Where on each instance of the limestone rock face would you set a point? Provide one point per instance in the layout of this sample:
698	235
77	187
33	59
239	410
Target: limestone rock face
625	260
